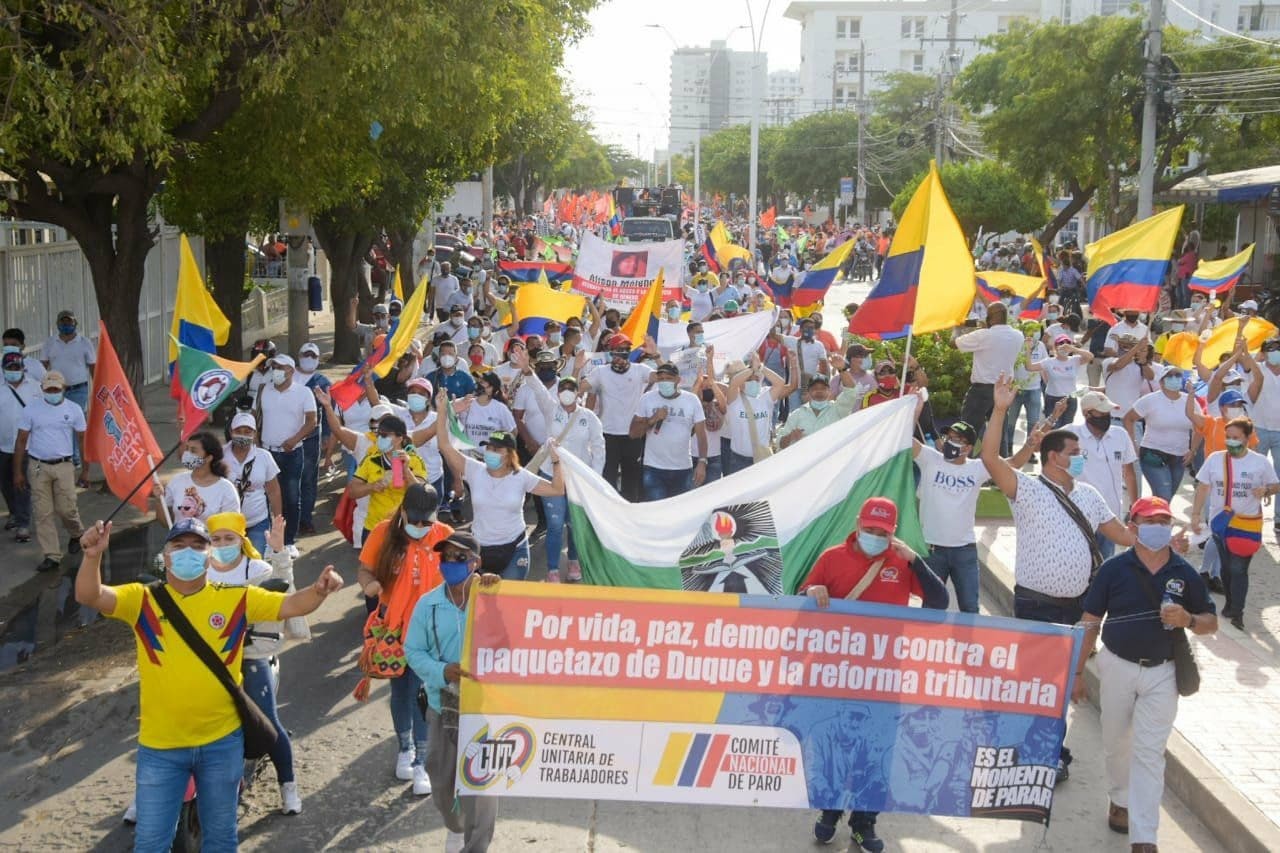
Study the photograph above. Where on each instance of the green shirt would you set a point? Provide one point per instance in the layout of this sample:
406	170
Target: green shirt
810	420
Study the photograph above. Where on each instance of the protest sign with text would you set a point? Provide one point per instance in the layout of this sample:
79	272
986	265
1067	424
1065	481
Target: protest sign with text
622	272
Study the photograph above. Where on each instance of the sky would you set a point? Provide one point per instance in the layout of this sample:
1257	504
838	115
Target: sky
621	70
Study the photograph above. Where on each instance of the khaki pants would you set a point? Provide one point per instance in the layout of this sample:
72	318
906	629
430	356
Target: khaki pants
53	490
474	817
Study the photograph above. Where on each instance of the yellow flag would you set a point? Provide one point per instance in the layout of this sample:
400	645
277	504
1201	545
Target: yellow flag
397	287
1180	349
197	321
406	329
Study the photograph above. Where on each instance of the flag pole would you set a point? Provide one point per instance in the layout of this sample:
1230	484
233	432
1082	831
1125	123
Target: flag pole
143	481
906	359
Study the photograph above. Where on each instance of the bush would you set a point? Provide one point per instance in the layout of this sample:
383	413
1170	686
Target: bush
947	368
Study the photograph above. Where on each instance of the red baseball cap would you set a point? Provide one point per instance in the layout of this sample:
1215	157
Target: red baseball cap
879	512
1150	506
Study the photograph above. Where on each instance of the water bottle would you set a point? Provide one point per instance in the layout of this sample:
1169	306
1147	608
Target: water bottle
1167	601
397	472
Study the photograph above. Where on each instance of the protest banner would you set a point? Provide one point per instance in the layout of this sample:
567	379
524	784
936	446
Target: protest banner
726	699
734	338
622	272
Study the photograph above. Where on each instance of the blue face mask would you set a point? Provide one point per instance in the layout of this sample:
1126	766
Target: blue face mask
699	339
454	573
872	544
187	564
54	398
14	376
751	389
1173	383
493	460
867	363
1155	537
66	328
1075	465
1273	357
417	403
416	531
667	389
227	555
819	405
384	443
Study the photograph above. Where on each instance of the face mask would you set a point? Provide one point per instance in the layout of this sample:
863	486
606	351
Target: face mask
476	358
546	374
278	377
242	440
1051	316
493	460
786	324
699	339
866	363
888	383
619	366
553	339
1175	328
1235	446
416	531
456	322
13	376
951	450
8	348
448	361
53	398
751	388
872	544
381	321
807	334
486	333
1155	537
1131	318
667	389
191	461
66	328
702	287
384	444
1075	465
1273	357
226	555
187	564
1098	422
673	313
1172	383
417	403
454	573
1233	412
568	397
819	405
308	363
473	332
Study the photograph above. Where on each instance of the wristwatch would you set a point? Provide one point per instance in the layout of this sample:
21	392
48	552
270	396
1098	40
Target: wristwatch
702	460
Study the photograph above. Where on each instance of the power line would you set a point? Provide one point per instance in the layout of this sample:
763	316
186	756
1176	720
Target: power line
1220	28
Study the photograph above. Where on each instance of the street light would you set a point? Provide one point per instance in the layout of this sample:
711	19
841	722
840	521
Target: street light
757	39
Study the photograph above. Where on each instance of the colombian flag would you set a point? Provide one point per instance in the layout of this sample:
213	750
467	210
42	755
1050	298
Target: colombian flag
197	321
811	286
708	253
399	338
615	221
727	251
644	320
1217	276
1028	291
535	306
527	272
1127	268
928	282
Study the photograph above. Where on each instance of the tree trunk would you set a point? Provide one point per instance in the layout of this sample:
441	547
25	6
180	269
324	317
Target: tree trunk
224	257
1079	198
402	254
346	250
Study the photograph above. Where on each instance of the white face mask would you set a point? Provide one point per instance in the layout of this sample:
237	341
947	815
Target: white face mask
447	361
456	322
568	397
278	376
308	363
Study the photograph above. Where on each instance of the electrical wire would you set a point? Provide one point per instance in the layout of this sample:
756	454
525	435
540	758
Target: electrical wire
1220	28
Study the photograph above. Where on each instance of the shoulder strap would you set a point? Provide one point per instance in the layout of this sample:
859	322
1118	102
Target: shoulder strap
865	581
1177	635
1074	513
16	396
180	623
1227	487
751	420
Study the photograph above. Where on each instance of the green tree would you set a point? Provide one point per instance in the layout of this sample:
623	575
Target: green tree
726	160
814	152
985	194
625	166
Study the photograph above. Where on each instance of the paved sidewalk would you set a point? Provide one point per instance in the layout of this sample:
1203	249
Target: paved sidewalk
1224	757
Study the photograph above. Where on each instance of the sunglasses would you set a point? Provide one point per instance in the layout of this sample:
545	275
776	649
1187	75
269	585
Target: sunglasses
455	556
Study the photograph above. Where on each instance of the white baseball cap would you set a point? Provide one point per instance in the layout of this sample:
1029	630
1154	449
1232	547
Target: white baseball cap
244	419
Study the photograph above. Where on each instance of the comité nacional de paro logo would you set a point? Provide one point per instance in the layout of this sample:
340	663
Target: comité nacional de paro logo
210	386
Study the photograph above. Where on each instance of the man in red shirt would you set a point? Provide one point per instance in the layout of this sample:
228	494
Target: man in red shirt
871	565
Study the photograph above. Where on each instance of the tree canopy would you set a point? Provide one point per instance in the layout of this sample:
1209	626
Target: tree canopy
985	194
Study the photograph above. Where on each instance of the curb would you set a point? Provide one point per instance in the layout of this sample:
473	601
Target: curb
1232	818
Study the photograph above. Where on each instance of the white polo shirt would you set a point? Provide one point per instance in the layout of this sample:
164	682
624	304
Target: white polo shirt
13	399
50	428
284	413
71	358
1104	461
994	351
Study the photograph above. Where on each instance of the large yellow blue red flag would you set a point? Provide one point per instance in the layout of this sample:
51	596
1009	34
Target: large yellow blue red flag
643	321
1220	276
197	321
811	285
403	333
1127	268
728	251
927	283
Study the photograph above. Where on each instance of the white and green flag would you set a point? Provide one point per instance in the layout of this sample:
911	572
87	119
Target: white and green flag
759	530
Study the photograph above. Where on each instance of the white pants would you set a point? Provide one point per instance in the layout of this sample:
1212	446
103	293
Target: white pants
1138	708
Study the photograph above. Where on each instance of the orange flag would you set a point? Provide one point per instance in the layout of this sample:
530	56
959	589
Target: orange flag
117	435
769	217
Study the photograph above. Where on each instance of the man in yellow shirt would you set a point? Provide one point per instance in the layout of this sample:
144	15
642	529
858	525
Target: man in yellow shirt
376	475
189	724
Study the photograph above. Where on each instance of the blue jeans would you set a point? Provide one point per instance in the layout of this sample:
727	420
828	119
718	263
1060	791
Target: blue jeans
80	396
661	483
257	534
1043	611
290	479
1235	578
960	564
1029	401
713	470
310	476
406	717
257	683
558	530
1163	476
161	780
1068	416
1269	443
732	462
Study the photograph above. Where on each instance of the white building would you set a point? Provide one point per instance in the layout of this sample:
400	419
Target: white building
783	102
711	88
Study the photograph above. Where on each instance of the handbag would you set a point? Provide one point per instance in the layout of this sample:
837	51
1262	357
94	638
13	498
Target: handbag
1185	671
1241	534
1073	511
382	655
260	733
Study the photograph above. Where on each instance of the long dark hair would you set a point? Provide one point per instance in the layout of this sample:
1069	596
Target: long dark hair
212	448
495	387
420	499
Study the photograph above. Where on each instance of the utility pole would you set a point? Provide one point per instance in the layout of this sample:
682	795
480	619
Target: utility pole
949	67
862	125
486	199
1151	76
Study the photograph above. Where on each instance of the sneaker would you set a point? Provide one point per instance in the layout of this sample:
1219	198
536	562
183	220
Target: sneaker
49	564
421	782
866	838
23	535
823	832
1117	818
290	802
454	842
1063	773
74	546
553	576
404	766
575	571
294	553
1215	585
131	813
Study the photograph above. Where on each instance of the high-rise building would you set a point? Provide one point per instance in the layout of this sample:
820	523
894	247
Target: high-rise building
711	88
782	105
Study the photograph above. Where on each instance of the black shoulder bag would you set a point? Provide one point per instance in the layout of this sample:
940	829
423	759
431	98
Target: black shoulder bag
1186	672
259	732
1073	511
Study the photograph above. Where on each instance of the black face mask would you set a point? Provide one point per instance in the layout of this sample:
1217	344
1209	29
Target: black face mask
1131	318
1098	422
546	374
708	396
619	365
952	451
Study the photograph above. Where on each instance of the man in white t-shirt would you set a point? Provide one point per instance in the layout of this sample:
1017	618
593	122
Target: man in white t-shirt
1110	458
74	356
47	431
994	349
616	390
1129	326
1129	376
949	486
749	413
288	413
665	419
443	287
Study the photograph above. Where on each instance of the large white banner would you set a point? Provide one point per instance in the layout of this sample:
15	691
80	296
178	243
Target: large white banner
732	337
623	272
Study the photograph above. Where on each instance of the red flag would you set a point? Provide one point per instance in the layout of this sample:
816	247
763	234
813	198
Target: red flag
117	435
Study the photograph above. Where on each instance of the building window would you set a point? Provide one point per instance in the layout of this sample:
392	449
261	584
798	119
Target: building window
912	27
913	60
1258	18
1005	22
846	97
846	62
848	28
1112	7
